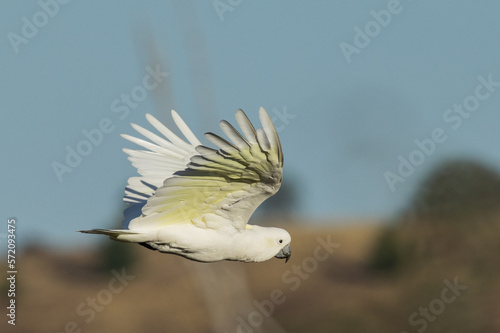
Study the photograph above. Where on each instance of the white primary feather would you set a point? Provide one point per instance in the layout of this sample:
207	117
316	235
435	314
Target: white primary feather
197	200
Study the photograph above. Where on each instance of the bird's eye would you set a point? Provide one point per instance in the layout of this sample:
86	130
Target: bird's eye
280	241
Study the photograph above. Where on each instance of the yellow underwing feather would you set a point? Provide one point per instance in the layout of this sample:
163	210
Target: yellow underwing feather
216	187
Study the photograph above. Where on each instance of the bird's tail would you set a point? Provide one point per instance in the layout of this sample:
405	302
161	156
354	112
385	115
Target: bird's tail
123	235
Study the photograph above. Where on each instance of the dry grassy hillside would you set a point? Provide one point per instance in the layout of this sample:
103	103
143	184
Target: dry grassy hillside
323	288
60	292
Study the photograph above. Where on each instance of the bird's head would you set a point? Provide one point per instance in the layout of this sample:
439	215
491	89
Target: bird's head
279	241
258	244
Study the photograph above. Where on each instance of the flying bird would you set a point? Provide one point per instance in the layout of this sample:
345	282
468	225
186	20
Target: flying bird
196	201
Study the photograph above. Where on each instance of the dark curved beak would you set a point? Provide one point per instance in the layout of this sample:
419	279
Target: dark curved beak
284	253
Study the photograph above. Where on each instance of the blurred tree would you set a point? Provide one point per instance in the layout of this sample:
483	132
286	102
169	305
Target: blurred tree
456	191
450	218
115	255
385	255
283	203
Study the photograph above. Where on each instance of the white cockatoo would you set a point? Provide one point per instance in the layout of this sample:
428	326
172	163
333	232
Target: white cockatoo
196	201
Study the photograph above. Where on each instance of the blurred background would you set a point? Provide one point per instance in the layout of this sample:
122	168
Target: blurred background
388	116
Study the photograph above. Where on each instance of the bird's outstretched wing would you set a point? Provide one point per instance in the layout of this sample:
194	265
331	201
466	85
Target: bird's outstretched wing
164	158
208	187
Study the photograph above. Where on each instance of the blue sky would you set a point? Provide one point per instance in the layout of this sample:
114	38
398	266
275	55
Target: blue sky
349	118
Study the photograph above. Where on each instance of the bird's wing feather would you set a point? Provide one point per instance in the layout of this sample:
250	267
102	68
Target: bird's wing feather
162	159
219	187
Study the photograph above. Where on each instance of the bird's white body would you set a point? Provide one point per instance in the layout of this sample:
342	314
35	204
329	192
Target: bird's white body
209	245
196	201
